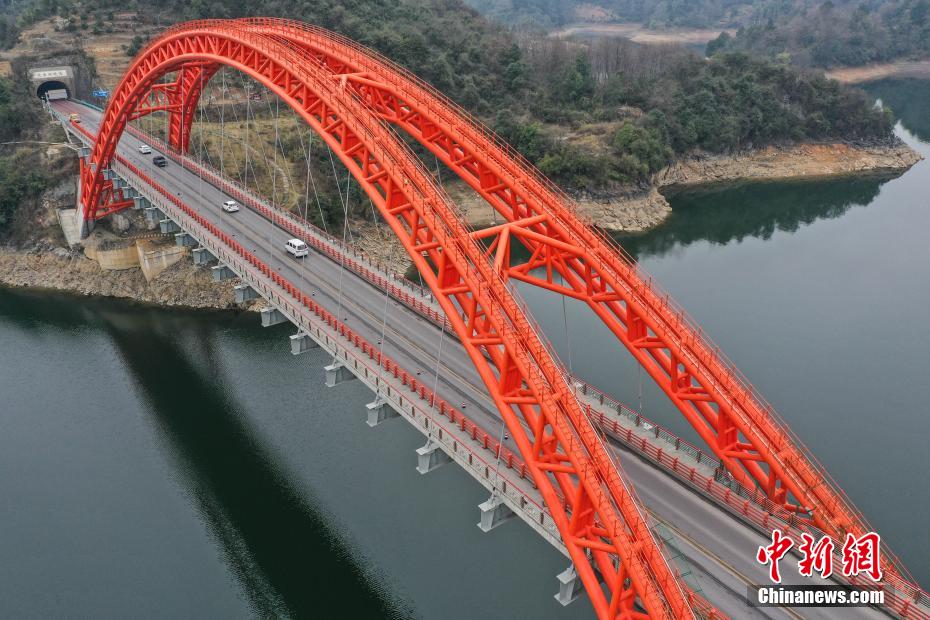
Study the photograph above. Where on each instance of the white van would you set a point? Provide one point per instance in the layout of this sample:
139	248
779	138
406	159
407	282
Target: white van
145	149
297	247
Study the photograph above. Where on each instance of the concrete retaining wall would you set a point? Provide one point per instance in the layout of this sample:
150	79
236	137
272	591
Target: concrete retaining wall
114	259
156	258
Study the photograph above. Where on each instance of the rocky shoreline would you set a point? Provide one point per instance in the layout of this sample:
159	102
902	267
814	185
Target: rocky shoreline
643	211
59	269
786	163
47	265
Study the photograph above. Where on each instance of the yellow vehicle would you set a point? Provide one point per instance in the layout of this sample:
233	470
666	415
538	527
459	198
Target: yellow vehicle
75	118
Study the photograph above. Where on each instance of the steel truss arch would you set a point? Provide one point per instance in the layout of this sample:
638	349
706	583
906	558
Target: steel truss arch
745	433
599	518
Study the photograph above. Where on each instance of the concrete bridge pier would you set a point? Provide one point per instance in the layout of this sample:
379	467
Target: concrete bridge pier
494	512
222	272
570	586
168	226
245	293
337	373
431	457
184	240
202	256
271	316
153	215
379	411
301	343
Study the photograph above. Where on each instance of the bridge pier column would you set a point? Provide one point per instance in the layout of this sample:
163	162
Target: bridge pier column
185	240
379	411
570	586
494	512
153	215
202	256
430	457
337	373
168	226
301	343
272	316
222	272
245	293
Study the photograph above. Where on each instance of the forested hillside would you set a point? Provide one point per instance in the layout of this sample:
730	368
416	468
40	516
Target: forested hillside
809	33
20	178
593	116
836	33
550	13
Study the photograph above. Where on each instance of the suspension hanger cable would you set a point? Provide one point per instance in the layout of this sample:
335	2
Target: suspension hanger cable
382	344
239	168
342	255
246	147
310	178
285	170
223	123
200	128
568	340
274	176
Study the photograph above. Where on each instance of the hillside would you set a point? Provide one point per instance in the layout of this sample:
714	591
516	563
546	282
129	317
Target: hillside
837	33
553	13
808	33
599	118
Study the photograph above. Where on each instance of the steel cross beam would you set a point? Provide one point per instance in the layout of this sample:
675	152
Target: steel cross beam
734	421
598	516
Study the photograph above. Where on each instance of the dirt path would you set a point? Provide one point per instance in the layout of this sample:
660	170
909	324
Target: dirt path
870	73
640	34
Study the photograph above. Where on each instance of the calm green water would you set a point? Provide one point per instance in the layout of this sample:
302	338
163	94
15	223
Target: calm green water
168	464
177	464
820	292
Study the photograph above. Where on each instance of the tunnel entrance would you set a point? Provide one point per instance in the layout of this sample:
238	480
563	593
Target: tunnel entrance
54	88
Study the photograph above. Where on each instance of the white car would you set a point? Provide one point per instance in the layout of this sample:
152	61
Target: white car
230	206
145	149
297	247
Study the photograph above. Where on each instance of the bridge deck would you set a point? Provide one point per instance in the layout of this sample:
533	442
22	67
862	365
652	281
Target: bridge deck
718	547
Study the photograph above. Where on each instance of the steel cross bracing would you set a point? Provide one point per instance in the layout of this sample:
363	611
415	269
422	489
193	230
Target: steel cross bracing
742	430
598	516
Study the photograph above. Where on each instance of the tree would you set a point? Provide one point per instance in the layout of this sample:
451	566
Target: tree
719	44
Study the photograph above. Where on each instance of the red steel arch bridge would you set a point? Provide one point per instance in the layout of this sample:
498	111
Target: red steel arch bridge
564	448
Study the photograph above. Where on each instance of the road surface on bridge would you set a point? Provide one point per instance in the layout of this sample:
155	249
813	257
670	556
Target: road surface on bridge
720	549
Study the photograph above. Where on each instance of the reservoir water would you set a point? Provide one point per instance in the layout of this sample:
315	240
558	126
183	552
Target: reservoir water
176	464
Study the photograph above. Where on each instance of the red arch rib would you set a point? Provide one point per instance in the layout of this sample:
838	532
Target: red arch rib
744	431
598	516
